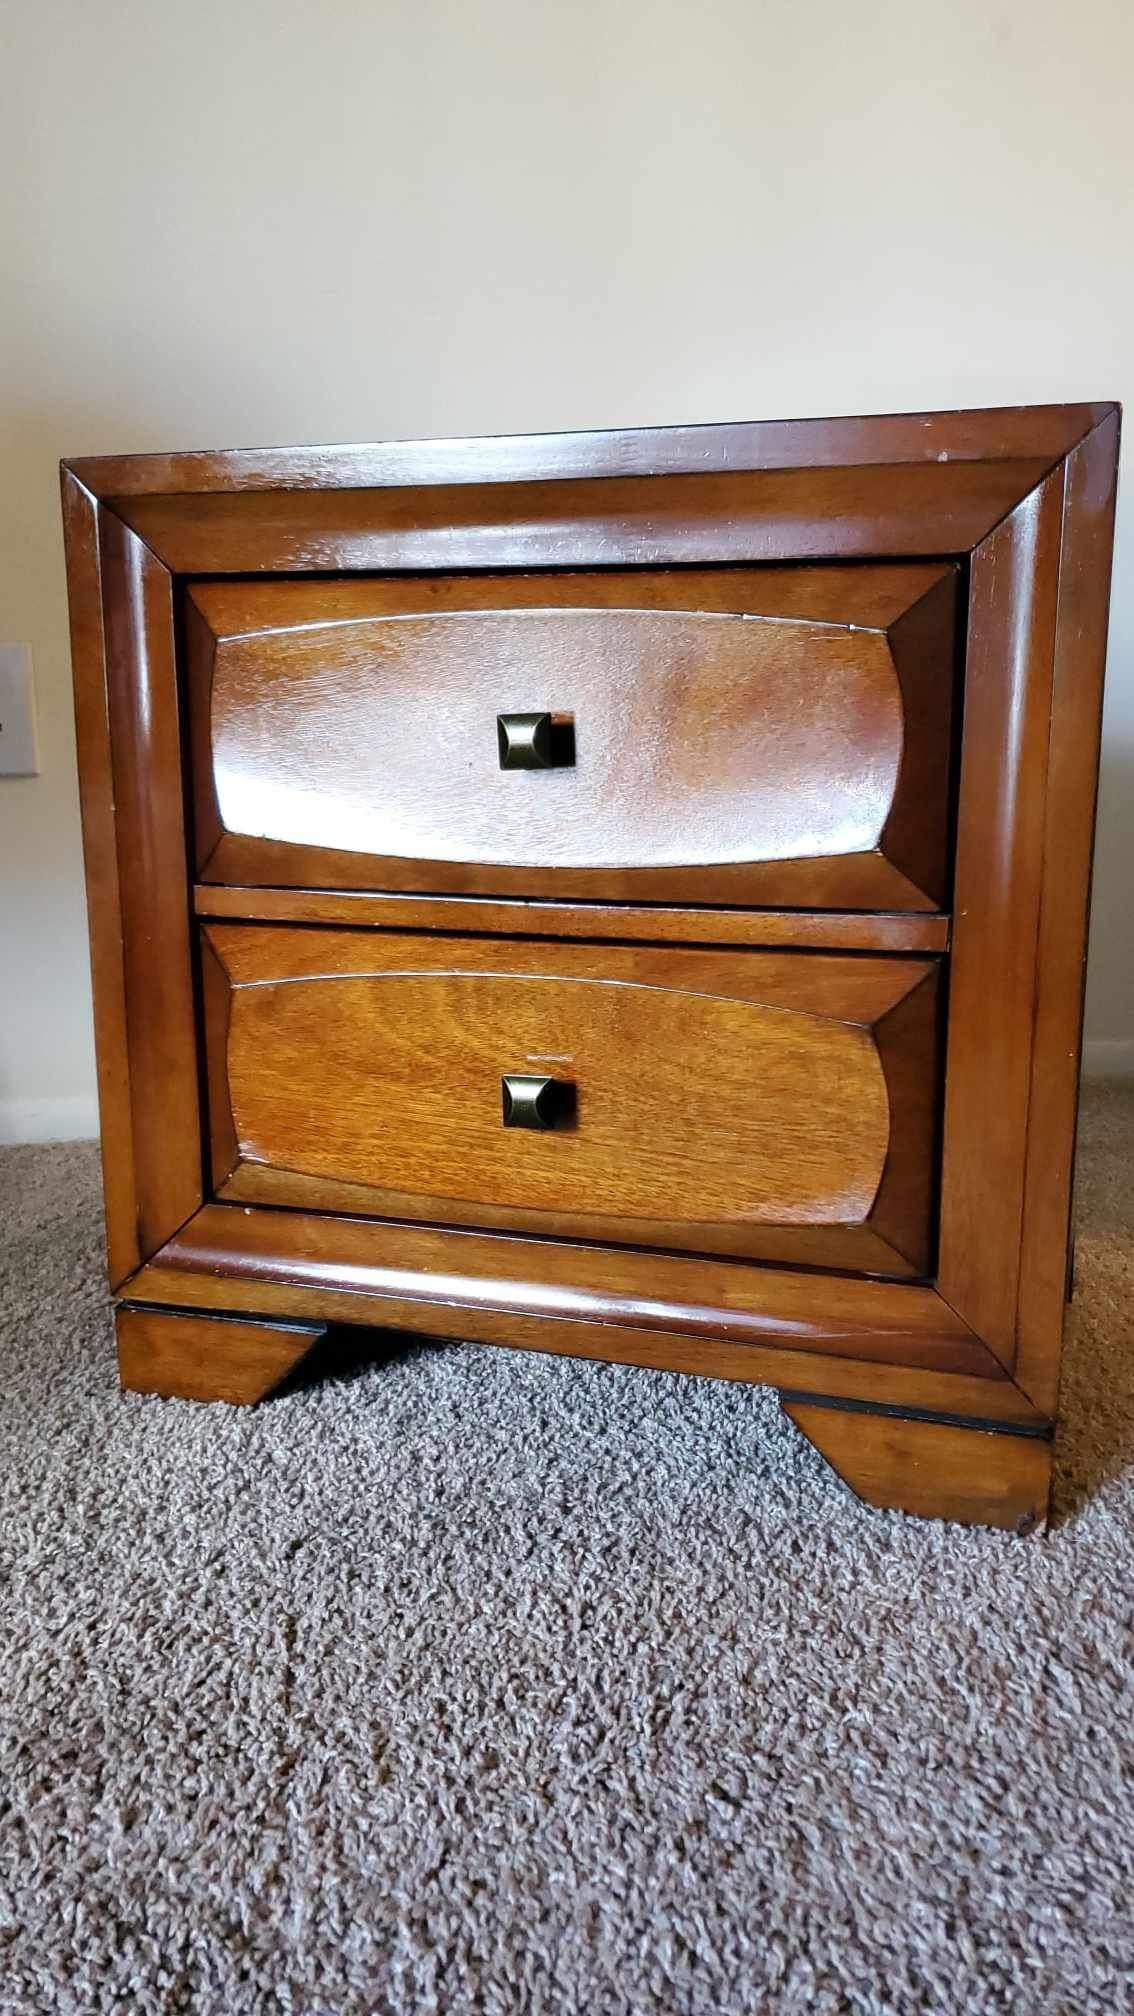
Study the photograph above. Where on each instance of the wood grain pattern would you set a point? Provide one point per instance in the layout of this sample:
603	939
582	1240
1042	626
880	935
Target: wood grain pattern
855	1249
878	597
208	1357
891	1343
198	647
932	1470
907	1040
216	1004
104	895
1014	582
693	748
145	741
1069	809
834	881
918	831
994	433
852	989
1025	496
860	513
717	754
726	1102
815	931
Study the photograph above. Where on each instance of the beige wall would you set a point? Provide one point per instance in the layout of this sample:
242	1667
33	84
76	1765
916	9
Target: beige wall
240	222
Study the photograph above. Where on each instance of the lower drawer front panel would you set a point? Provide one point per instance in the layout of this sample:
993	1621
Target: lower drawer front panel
769	1106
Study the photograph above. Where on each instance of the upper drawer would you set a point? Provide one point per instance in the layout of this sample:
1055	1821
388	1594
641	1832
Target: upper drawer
764	736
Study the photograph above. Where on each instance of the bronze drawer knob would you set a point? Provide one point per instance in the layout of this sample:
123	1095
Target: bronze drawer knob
537	1102
535	742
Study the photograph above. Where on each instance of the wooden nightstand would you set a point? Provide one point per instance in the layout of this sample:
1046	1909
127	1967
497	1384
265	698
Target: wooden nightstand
618	894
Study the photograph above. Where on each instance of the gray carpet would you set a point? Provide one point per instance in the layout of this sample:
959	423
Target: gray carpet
469	1681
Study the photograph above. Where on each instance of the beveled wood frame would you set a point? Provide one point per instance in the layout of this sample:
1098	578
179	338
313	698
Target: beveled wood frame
907	611
1024	495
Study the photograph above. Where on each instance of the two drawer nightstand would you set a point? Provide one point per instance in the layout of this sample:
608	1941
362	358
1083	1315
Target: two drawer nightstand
622	895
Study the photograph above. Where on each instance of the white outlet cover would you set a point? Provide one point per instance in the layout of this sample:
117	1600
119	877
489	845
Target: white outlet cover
18	756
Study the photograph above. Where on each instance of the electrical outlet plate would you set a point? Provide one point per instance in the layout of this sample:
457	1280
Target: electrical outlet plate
18	755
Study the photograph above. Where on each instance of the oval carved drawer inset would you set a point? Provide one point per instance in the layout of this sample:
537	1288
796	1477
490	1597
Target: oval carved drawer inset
731	737
765	1105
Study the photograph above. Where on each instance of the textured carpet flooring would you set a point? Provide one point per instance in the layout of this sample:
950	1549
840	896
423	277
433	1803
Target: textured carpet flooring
469	1681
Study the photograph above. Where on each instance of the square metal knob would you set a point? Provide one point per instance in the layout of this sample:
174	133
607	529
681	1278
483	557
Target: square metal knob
535	742
536	1102
525	741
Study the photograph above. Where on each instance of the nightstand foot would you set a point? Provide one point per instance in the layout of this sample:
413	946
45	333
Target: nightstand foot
189	1356
930	1469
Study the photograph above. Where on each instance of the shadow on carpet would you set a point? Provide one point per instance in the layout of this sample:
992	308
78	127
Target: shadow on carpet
472	1681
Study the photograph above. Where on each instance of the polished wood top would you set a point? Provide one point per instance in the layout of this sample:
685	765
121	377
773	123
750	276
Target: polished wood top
995	433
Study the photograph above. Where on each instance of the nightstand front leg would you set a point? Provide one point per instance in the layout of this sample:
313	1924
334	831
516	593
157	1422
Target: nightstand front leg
185	1355
931	1469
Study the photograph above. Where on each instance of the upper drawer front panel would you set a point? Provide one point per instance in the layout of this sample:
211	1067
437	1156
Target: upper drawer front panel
760	736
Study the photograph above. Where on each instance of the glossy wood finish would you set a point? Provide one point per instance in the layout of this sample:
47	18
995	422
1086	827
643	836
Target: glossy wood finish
1071	783
216	1007
1024	497
768	930
104	891
755	1104
128	730
1037	628
988	434
348	737
152	852
189	1356
933	1470
888	1343
876	598
766	516
1014	586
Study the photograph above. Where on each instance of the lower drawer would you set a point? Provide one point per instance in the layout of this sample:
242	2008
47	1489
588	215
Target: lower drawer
774	1106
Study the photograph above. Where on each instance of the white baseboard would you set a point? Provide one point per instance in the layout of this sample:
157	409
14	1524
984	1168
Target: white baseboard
1109	1058
48	1119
